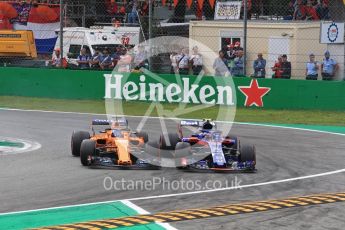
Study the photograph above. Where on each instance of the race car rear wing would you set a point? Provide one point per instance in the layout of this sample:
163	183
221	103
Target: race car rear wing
119	121
196	123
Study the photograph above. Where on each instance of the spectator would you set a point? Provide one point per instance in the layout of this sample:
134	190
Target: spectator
312	68
56	59
140	59
124	64
105	61
259	67
183	62
132	10
116	55
237	70
83	59
249	9
323	9
285	67
94	60
277	68
231	55
299	10
173	60
220	65
310	10
329	67
113	8
196	61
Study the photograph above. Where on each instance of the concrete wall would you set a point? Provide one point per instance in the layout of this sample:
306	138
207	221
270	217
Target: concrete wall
296	39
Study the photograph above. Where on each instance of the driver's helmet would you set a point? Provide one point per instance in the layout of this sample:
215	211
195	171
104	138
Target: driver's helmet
207	126
115	125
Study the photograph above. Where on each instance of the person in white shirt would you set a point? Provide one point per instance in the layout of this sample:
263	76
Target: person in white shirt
183	62
173	60
312	67
196	61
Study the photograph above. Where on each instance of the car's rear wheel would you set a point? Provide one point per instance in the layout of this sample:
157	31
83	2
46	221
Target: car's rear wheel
143	135
168	141
87	151
76	139
247	153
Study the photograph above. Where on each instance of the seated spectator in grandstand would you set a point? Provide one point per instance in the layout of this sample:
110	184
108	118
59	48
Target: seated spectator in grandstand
183	62
323	10
132	10
140	58
249	9
144	8
56	59
173	59
105	61
83	59
277	68
23	10
124	64
299	10
285	67
196	61
312	67
116	55
94	60
259	66
113	8
237	70
220	65
310	11
329	67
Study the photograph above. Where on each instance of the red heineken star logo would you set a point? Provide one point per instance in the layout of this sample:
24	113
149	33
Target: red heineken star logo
254	93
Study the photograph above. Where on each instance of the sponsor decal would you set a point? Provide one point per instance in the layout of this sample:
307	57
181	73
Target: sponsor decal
254	93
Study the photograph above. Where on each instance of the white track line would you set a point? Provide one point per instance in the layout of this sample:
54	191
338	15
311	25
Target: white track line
194	192
142	211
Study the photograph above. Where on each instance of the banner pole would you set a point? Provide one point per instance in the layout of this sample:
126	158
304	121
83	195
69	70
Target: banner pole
245	22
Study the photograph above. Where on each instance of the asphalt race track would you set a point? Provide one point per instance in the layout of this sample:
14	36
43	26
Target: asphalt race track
50	176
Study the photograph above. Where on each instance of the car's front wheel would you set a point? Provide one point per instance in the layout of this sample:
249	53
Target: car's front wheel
247	153
87	151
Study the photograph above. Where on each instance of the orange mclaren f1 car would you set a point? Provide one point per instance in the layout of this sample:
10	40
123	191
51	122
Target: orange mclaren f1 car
112	144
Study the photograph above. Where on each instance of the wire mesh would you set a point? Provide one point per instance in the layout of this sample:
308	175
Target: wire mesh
275	27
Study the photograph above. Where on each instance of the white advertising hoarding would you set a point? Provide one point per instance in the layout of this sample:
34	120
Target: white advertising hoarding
228	10
332	32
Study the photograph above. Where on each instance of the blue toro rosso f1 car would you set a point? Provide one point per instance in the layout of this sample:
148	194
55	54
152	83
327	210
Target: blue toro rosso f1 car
208	149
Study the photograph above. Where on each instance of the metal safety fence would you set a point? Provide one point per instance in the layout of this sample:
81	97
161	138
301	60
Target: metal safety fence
252	37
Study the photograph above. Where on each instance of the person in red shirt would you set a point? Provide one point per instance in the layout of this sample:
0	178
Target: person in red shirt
277	68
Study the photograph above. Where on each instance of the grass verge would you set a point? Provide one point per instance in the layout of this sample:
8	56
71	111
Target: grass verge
258	115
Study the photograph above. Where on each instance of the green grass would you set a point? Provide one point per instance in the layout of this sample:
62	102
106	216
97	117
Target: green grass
138	108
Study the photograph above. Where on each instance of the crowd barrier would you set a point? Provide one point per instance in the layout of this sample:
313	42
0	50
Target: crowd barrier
79	84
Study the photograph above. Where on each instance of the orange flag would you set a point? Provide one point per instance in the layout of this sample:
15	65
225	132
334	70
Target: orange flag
175	2
212	3
200	4
189	3
163	2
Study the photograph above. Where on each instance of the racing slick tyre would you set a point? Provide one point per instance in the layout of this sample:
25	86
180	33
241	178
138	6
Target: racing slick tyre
76	139
247	153
169	144
87	150
144	135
